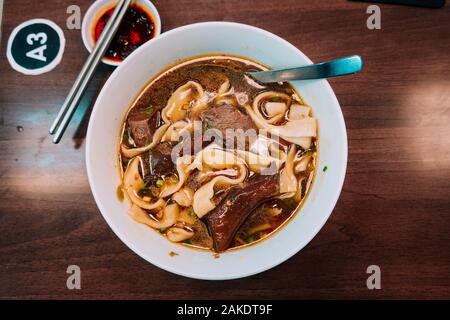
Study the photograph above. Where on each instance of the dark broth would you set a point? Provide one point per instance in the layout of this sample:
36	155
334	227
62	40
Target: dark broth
210	72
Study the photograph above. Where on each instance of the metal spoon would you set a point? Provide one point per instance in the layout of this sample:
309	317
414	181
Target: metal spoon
334	68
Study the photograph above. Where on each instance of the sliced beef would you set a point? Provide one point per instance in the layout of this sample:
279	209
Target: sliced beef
264	214
158	162
225	220
225	117
201	236
142	125
194	180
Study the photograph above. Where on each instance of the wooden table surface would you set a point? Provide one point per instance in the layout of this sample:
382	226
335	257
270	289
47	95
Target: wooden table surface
394	210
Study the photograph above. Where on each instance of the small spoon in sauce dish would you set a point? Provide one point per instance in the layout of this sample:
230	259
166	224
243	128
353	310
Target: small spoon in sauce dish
334	68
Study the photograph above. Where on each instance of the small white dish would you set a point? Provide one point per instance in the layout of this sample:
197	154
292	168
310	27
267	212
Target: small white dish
98	8
124	85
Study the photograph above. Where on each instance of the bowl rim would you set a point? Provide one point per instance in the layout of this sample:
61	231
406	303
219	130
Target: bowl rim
96	7
273	263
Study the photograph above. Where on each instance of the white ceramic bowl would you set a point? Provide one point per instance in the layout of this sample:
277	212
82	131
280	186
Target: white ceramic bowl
125	84
101	6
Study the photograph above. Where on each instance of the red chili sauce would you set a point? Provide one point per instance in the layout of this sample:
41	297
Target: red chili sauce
137	27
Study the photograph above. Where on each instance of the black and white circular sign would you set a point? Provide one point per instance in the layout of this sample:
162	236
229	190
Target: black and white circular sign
35	46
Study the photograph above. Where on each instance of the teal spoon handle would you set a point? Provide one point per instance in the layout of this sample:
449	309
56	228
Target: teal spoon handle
334	68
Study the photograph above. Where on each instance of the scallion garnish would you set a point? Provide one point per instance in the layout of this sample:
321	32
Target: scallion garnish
159	183
149	111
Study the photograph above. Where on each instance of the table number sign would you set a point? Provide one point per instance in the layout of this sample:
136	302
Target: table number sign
35	46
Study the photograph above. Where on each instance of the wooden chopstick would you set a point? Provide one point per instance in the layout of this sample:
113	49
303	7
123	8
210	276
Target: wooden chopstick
79	87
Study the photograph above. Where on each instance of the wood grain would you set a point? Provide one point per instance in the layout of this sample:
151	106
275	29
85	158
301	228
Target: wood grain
394	210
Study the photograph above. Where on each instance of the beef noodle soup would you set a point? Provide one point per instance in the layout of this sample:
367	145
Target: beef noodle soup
212	159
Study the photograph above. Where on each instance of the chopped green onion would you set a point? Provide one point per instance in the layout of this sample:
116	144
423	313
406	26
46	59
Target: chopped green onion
162	230
126	135
149	111
191	213
251	239
325	168
239	235
188	241
159	183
